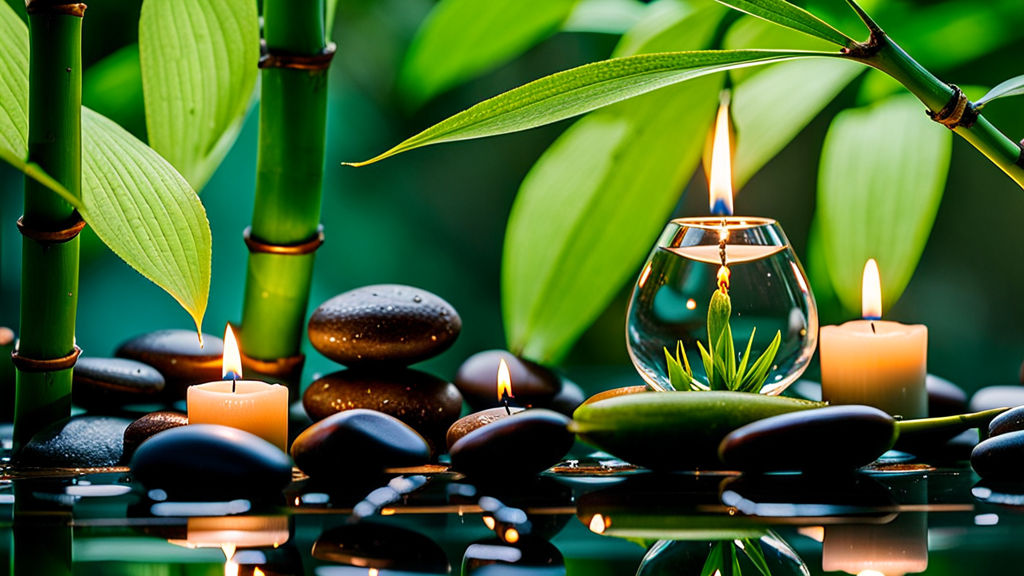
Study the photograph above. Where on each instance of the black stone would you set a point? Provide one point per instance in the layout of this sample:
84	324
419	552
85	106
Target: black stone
1000	457
997	397
568	398
522	444
533	385
105	384
380	546
176	354
383	324
831	438
149	425
357	441
80	442
944	397
1009	421
211	462
427	403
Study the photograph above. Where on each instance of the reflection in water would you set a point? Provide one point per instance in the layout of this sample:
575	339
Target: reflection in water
528	556
767	555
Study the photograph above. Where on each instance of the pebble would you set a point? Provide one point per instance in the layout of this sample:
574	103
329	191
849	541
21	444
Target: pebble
427	403
1000	457
358	440
519	445
1009	421
944	397
150	424
831	438
79	442
103	384
996	397
467	424
176	354
532	384
383	324
375	546
211	462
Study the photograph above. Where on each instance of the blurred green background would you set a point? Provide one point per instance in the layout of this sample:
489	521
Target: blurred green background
435	218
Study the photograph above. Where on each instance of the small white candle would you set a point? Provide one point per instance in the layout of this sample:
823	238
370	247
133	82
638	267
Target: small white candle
251	405
881	364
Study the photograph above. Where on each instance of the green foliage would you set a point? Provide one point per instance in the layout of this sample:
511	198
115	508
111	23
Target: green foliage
1012	87
198	76
13	85
605	16
785	14
113	87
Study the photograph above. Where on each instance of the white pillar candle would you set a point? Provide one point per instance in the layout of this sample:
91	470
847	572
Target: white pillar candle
881	364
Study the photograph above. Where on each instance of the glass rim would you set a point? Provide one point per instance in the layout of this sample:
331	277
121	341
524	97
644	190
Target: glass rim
731	222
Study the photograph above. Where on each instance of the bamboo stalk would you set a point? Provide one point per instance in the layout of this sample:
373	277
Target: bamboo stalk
289	181
49	279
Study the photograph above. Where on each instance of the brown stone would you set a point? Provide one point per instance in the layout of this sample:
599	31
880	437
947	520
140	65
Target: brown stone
177	355
532	384
150	424
467	424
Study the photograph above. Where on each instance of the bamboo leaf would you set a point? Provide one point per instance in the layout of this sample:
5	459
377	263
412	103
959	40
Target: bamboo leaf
713	563
461	39
1011	87
754	379
13	85
785	14
677	378
709	363
575	91
882	173
741	370
199	69
752	549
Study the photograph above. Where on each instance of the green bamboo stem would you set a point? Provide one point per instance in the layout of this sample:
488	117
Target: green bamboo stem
289	181
49	278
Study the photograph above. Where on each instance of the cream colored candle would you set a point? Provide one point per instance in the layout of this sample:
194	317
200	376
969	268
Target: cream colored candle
256	407
881	364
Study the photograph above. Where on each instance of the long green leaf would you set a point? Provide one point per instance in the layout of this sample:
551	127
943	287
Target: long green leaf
572	92
882	173
13	84
785	14
1012	87
463	38
198	73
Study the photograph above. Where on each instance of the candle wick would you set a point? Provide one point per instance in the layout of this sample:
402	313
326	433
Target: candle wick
504	400
873	328
233	380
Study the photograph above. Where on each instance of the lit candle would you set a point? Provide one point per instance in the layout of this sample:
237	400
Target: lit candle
256	407
881	364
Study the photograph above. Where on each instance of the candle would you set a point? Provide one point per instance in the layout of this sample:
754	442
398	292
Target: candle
256	407
868	361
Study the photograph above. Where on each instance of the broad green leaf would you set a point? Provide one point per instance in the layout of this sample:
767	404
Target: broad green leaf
463	38
13	84
621	168
606	16
198	74
572	92
1011	87
882	173
785	14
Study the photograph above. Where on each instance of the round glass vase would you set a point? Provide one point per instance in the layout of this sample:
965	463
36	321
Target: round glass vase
767	288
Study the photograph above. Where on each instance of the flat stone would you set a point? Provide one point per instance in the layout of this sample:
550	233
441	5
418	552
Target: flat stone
471	422
831	438
103	384
997	397
370	545
427	403
176	354
944	397
383	324
1009	421
520	445
148	425
79	442
211	462
1000	457
533	385
358	440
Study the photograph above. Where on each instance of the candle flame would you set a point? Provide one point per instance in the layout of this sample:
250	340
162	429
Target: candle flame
489	522
372	572
871	292
723	279
720	177
257	572
598	524
504	381
232	368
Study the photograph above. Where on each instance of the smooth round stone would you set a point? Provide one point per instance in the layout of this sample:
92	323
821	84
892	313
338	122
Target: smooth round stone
358	440
385	324
80	442
944	397
522	444
427	403
568	398
176	354
149	425
831	438
1009	421
532	384
211	462
1000	457
997	397
107	383
467	424
382	547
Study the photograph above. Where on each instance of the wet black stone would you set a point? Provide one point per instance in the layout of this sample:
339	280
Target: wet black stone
1009	421
149	425
176	354
80	442
831	438
106	384
427	403
532	384
944	397
383	324
383	547
997	397
358	441
520	445
1000	457
211	462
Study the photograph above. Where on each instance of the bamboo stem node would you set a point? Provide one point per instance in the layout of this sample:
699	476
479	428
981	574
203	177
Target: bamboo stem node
52	236
280	59
67	8
959	111
259	247
26	364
